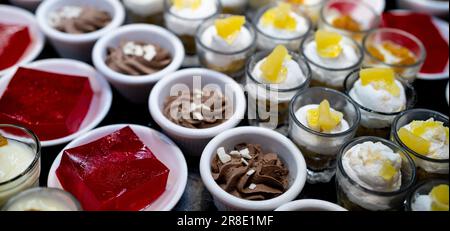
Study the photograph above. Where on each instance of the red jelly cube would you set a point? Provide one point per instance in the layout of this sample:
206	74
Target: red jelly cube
50	104
116	172
14	41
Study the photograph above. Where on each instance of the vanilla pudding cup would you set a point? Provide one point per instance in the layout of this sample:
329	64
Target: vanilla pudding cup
427	167
20	161
320	149
185	22
234	6
145	11
311	8
419	198
373	122
331	73
230	62
311	205
353	195
43	199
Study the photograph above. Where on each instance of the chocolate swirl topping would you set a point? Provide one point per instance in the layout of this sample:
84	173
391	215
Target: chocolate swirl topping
79	20
262	177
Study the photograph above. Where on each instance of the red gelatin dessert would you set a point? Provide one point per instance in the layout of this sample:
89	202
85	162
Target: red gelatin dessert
51	105
14	41
116	172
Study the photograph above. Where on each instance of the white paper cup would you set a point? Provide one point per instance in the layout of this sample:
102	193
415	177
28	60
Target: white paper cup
310	205
162	147
101	100
78	46
15	15
137	88
192	141
27	4
270	141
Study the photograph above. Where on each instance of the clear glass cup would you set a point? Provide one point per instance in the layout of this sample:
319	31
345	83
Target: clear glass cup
366	16
355	197
43	199
427	168
311	10
403	38
268	42
321	149
325	76
185	28
375	123
421	189
256	4
268	106
234	7
30	176
151	11
230	63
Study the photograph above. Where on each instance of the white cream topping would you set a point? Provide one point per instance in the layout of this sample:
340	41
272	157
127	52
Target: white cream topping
148	52
301	29
206	9
65	12
422	203
144	7
301	115
38	204
15	158
348	57
233	3
294	77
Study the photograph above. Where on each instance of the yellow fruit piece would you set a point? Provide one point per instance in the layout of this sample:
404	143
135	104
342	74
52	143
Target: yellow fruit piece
273	68
322	119
229	28
439	195
328	44
312	116
380	78
297	2
414	142
376	53
181	4
421	127
280	17
346	22
405	55
3	141
388	171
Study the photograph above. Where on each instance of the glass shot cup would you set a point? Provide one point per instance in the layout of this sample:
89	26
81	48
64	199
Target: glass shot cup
422	189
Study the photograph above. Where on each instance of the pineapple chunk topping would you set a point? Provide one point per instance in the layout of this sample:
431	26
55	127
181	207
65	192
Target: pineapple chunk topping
419	128
229	28
280	17
328	44
297	2
388	171
404	54
380	78
414	142
181	4
273	68
322	119
439	196
3	141
346	22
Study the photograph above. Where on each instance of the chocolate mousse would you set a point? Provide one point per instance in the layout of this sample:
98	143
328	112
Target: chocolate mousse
249	173
79	20
137	58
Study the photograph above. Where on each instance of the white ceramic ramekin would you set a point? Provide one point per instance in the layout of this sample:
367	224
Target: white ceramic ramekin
162	147
192	141
15	15
101	100
310	205
270	141
137	88
27	4
78	46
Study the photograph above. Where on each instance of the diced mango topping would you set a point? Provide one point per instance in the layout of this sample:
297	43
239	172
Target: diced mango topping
387	171
376	53
404	54
380	78
439	195
280	17
229	28
181	4
297	2
328	44
273	68
414	142
346	22
3	141
322	119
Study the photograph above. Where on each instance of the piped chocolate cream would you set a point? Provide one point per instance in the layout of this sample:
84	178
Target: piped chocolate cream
137	58
249	173
79	19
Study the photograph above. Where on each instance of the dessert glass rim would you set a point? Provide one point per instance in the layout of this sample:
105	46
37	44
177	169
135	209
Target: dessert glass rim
322	134
261	11
208	23
254	59
376	22
419	61
302	204
405	84
388	143
37	154
411	195
167	6
358	49
309	5
394	134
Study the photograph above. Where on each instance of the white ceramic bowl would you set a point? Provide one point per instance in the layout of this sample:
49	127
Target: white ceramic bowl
27	4
15	15
192	141
270	141
101	101
137	88
162	147
433	7
310	205
78	46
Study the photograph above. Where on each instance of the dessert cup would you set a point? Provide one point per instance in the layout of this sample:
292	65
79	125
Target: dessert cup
43	199
101	101
421	189
320	149
234	6
27	4
192	141
78	46
15	15
310	205
149	11
427	167
356	197
270	141
375	123
30	176
312	10
137	88
162	147
230	63
407	71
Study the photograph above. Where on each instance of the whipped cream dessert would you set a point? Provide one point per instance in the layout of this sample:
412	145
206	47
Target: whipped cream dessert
436	200
39	203
346	22
78	19
144	8
392	53
15	158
